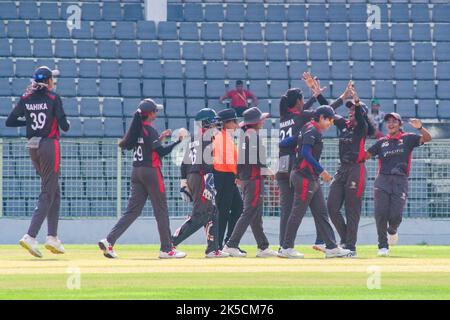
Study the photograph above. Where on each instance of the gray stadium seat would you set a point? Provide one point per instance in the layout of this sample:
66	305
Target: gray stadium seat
177	123
193	106
321	69
212	51
130	69
441	32
24	67
406	108
173	69
6	68
194	70
381	51
234	51
255	12
276	13
443	70
5	50
150	50
378	35
113	127
5	87
278	70
357	32
296	13
259	88
338	32
399	12
384	89
339	51
109	88
130	105
316	32
252	32
235	13
28	10
318	51
360	52
444	109
167	30
231	32
42	48
132	12
128	50
295	32
340	70
86	49
257	70
88	69
382	70
112	107
189	31
91	12
68	68
195	88
87	87
402	51
7	105
49	11
440	13
170	50
215	70
423	52
152	69
59	30
276	51
427	109
193	12
174	12
296	69
103	30
131	88
209	32
38	30
8	10
66	87
317	13
21	48
404	89
357	12
215	88
425	89
70	106
152	88
146	30
278	87
421	32
443	91
255	52
112	11
84	32
192	51
442	52
274	32
236	70
420	13
76	130
214	12
125	30
174	107
107	49
89	107
403	70
109	69
400	32
93	128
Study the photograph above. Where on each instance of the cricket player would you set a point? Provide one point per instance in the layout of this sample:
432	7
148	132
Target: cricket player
349	182
44	116
251	164
394	153
146	179
197	186
308	192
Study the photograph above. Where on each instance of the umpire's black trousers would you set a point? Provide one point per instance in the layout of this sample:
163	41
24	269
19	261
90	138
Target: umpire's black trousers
229	203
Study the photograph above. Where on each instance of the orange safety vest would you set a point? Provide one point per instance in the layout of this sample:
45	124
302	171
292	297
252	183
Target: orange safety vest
224	153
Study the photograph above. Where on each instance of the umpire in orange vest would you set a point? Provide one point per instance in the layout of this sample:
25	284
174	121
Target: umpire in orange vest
228	198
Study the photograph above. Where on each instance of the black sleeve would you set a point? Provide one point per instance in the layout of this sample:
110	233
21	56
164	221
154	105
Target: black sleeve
309	103
322	100
375	149
340	122
307	115
164	150
337	103
186	161
16	113
310	137
413	140
61	115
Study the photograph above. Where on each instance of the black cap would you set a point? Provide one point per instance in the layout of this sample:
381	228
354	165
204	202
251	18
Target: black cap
325	111
239	83
227	115
350	104
394	115
148	105
44	73
253	116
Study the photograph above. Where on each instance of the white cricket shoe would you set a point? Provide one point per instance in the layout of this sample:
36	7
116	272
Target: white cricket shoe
393	239
234	252
31	245
320	247
383	252
217	254
266	253
290	253
337	252
54	245
107	249
172	254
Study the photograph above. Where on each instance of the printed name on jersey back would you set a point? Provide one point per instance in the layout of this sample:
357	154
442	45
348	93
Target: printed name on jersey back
36	106
287	123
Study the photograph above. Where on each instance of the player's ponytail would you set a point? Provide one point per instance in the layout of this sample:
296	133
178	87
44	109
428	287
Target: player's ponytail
35	87
130	139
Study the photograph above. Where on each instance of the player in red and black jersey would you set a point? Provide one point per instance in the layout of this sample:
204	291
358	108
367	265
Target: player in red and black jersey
349	182
146	179
44	116
391	185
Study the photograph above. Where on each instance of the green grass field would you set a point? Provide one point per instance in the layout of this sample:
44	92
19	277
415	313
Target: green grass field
411	272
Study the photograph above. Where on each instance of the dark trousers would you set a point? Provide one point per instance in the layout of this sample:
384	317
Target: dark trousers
229	203
46	161
145	183
253	191
286	199
204	214
347	188
390	194
308	193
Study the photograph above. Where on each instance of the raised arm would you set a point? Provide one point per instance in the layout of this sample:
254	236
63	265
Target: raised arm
425	134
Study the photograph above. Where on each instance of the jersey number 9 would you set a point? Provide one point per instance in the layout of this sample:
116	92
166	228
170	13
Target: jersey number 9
138	154
38	120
